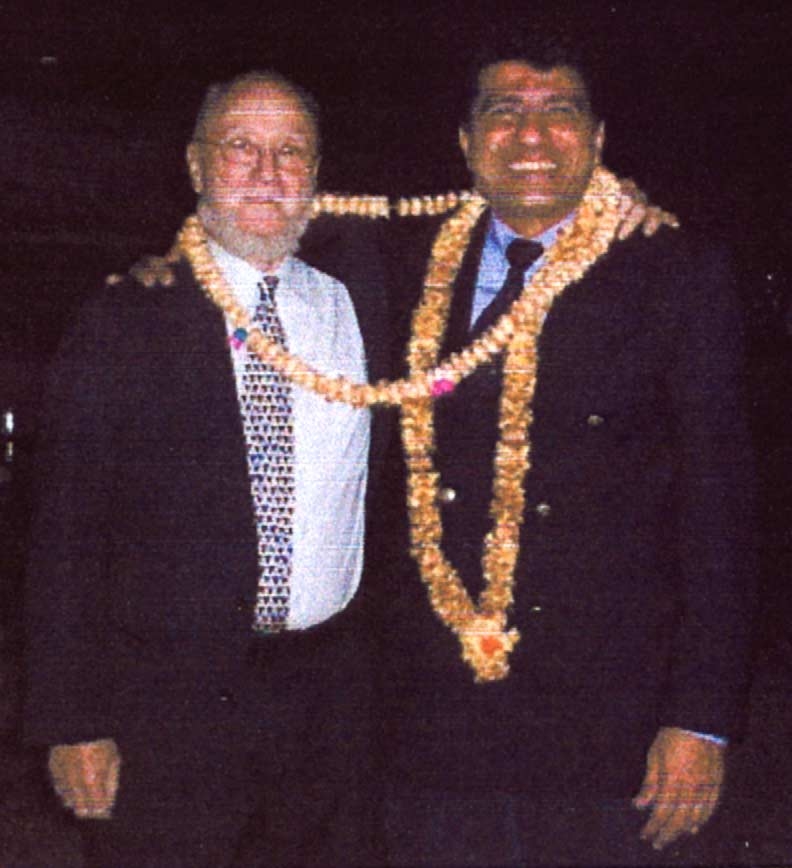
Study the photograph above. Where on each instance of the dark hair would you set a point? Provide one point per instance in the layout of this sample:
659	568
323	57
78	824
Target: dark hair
216	93
539	49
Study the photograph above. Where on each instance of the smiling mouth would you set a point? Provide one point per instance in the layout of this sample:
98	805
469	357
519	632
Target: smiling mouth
525	166
262	200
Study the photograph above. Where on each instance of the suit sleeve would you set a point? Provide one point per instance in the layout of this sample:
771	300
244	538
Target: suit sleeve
67	680
715	510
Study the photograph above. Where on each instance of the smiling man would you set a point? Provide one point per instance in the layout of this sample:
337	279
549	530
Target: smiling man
579	510
195	657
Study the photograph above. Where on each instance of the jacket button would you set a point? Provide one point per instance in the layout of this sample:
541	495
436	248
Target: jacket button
447	495
543	510
226	697
536	610
594	421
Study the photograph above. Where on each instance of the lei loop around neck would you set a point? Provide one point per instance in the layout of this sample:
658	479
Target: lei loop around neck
576	248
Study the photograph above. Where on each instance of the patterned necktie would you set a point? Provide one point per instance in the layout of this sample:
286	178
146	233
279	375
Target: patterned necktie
268	415
521	254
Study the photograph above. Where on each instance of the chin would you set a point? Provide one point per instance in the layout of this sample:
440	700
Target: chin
526	207
255	237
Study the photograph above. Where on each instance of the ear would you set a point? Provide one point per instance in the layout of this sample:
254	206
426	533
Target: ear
599	141
464	142
194	168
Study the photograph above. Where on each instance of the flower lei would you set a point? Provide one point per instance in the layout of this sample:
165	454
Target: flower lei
481	627
381	207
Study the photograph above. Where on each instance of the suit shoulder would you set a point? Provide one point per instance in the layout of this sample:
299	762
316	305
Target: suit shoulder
680	249
128	292
345	232
347	248
677	273
675	268
113	311
407	233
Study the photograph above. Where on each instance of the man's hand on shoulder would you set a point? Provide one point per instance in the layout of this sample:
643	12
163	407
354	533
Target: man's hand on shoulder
684	778
636	211
86	776
150	271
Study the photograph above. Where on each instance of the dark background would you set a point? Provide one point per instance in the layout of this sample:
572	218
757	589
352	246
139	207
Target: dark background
97	101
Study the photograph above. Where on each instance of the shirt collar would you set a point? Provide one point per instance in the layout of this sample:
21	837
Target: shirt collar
502	235
244	278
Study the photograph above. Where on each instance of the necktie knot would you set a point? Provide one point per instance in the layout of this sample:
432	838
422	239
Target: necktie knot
266	313
522	253
267	286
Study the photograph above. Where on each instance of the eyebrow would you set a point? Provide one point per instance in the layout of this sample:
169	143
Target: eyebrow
491	99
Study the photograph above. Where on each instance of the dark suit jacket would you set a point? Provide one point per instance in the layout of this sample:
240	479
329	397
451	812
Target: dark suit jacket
633	588
143	557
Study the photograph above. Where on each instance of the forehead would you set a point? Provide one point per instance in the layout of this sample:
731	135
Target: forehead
263	107
513	78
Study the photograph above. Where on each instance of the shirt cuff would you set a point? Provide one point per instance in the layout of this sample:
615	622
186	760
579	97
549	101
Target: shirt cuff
717	739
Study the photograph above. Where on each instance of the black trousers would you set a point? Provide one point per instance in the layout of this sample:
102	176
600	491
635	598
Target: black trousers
278	778
507	829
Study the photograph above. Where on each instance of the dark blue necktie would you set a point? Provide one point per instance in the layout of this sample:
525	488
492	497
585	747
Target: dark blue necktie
521	254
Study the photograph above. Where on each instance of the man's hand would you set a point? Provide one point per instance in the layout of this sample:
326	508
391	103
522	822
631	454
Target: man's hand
151	271
85	777
636	211
684	776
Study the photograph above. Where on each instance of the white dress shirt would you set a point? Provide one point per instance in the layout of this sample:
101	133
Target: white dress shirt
331	439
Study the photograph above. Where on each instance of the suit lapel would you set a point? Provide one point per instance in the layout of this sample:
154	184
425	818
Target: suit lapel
458	330
208	379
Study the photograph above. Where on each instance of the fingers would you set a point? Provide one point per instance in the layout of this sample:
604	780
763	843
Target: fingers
174	254
652	222
675	817
632	220
655	218
684	776
632	194
636	212
86	777
153	271
96	799
668	822
111	783
150	271
632	208
651	782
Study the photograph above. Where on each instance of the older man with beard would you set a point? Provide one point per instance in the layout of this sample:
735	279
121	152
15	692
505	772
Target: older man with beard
195	651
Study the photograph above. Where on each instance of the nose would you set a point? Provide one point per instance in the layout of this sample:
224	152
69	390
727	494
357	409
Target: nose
266	163
530	127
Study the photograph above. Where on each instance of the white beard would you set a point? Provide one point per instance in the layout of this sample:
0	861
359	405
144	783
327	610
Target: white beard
261	251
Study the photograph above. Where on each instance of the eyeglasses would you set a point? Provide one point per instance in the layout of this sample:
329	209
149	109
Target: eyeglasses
288	157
